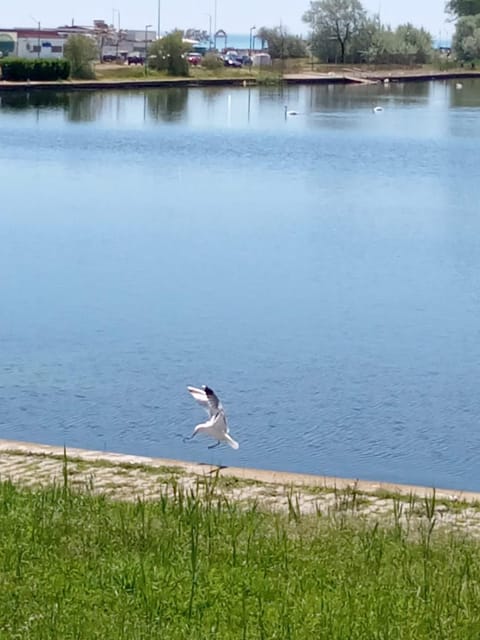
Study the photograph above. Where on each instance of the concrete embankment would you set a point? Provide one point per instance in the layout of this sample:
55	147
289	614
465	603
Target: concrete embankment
129	477
146	83
355	76
348	76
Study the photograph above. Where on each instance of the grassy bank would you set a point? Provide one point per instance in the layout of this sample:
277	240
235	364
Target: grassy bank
197	565
122	72
276	71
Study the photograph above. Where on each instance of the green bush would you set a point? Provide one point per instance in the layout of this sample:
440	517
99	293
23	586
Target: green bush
81	51
168	54
21	69
212	61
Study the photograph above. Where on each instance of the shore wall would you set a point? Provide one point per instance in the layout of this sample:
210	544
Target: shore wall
9	448
352	77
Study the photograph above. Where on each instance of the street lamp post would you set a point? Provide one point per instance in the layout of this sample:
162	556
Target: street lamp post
209	29
38	44
117	38
38	39
145	64
252	29
159	13
113	17
215	18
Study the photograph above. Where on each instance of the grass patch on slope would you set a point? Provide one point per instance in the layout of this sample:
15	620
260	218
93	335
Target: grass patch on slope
77	565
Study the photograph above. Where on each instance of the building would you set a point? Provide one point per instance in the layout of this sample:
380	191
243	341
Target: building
126	41
32	43
37	43
49	43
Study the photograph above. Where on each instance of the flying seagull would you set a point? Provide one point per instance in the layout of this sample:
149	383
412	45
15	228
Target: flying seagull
216	426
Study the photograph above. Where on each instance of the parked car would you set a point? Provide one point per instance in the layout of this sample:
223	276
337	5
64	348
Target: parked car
111	57
135	58
194	58
232	59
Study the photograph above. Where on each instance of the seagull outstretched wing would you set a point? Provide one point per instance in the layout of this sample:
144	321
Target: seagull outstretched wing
207	399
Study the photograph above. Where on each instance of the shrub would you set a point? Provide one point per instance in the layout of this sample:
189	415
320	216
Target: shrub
168	54
212	61
81	51
21	69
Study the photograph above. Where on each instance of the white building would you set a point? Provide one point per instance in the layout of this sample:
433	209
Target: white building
49	43
37	43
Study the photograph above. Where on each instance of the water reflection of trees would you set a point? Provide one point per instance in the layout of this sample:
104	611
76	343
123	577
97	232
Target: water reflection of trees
343	97
84	106
18	101
464	92
81	106
167	104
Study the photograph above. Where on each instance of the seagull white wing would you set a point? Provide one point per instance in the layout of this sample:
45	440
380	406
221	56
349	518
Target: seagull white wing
200	396
207	399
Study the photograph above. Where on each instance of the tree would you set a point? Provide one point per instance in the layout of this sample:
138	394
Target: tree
81	51
197	34
282	44
362	40
418	40
338	20
460	8
406	45
466	39
168	54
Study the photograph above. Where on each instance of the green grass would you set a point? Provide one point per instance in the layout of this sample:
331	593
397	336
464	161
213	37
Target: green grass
125	72
75	565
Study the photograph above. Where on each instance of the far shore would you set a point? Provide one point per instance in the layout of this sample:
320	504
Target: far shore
343	76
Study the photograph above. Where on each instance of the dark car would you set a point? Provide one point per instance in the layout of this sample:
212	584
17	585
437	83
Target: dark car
135	58
231	61
111	57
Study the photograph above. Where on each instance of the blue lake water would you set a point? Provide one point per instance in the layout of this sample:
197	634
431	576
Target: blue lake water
320	272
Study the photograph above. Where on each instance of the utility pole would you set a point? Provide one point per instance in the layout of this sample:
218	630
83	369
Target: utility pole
38	38
215	23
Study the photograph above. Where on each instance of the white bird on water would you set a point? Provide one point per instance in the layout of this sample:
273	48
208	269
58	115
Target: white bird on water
290	113
216	426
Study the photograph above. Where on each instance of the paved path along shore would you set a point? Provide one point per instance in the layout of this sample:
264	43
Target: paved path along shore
128	477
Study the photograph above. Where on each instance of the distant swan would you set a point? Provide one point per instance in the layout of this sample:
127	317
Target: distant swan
377	109
459	85
290	113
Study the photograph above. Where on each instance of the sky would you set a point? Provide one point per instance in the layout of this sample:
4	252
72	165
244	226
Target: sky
233	17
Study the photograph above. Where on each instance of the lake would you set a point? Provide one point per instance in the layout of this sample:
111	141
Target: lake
321	272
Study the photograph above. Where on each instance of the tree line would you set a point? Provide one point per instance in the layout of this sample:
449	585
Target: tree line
466	39
342	31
